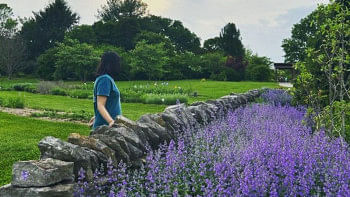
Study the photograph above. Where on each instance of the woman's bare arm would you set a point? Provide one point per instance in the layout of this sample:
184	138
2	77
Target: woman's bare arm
101	107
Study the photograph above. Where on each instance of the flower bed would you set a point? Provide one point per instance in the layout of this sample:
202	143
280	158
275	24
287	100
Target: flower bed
259	150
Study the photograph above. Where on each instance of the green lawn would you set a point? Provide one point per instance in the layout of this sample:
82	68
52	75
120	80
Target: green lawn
19	137
67	104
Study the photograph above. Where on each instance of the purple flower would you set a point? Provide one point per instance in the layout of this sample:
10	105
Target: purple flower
24	175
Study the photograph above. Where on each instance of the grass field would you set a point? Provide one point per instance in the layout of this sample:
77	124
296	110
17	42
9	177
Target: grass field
19	137
67	104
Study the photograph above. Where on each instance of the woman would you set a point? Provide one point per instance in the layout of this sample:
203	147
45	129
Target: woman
106	94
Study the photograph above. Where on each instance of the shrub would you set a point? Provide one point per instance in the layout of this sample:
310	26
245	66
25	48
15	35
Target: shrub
167	99
259	73
130	96
58	91
81	94
15	102
28	87
325	121
45	87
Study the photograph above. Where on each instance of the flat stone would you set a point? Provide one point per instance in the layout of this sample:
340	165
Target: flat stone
82	157
92	143
40	173
60	190
112	143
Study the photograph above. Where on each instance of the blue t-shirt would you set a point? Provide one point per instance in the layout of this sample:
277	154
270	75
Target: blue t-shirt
105	86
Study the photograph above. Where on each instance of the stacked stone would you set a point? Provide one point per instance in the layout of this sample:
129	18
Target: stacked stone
128	140
47	177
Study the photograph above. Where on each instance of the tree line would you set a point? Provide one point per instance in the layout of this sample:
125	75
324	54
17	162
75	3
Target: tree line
52	46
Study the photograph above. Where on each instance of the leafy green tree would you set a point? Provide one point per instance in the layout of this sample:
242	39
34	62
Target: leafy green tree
303	36
121	33
8	25
183	38
258	68
149	60
212	45
47	64
154	38
212	64
83	33
47	27
76	61
184	65
115	10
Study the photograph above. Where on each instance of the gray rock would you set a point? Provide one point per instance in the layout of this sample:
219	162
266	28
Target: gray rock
94	144
82	157
41	173
142	131
199	114
100	130
157	125
60	190
112	143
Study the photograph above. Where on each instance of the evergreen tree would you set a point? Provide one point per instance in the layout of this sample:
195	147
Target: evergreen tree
47	27
115	10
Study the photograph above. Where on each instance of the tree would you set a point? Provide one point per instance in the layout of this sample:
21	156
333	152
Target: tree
230	41
83	33
47	27
115	10
121	33
12	49
155	38
76	60
149	60
7	23
258	68
12	52
183	38
212	45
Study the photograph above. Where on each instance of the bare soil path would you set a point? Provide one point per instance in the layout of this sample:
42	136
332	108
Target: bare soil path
28	112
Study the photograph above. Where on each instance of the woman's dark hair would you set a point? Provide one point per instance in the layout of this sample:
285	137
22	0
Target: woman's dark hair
110	64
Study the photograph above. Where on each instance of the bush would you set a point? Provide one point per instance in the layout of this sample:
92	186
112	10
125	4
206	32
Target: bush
15	102
28	87
81	94
58	91
165	99
130	96
323	120
259	73
45	87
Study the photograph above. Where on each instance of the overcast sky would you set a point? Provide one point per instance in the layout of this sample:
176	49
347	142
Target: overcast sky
263	23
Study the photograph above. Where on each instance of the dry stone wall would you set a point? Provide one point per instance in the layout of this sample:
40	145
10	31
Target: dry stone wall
127	141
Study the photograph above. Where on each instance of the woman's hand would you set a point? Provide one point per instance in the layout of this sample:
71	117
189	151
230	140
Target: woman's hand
91	122
111	124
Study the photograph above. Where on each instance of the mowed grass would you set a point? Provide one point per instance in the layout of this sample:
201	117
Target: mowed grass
19	137
132	111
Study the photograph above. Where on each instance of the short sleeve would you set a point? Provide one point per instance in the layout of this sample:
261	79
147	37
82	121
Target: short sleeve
103	87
